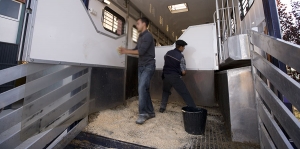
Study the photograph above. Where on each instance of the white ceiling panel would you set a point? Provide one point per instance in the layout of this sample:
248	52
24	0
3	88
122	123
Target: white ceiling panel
200	12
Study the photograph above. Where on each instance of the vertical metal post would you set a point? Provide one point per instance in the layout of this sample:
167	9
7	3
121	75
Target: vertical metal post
228	19
223	20
127	21
158	35
234	19
89	89
126	57
21	22
253	70
25	43
24	22
219	31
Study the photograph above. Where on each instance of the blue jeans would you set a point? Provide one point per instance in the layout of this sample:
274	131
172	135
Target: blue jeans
145	74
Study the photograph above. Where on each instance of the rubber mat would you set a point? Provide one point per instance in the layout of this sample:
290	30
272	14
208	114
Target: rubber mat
90	141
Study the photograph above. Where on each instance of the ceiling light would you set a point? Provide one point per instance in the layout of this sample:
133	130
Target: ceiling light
106	2
161	20
178	8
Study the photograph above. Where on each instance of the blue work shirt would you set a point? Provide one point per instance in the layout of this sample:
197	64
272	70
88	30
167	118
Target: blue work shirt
146	47
174	62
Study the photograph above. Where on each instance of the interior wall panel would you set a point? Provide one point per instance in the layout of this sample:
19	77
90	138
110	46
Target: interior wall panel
201	51
107	88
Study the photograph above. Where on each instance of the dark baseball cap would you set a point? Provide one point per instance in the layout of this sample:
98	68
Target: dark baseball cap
181	43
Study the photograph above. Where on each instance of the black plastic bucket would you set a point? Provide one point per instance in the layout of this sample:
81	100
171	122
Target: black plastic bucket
194	120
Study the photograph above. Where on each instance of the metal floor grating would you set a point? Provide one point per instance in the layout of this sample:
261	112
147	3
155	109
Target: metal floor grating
216	138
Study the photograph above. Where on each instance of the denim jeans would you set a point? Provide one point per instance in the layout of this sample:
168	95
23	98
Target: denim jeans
174	80
145	74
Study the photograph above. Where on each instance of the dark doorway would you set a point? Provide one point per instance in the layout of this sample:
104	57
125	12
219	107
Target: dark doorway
131	77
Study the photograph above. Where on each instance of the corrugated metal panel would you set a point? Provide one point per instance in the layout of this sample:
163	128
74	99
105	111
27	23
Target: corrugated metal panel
8	53
8	58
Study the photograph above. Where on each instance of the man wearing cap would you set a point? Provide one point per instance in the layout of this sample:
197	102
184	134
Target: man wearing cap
174	69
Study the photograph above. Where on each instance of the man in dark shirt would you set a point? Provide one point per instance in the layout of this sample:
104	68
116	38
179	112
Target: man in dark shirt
145	48
174	68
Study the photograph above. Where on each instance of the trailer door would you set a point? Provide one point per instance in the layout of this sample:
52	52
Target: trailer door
65	32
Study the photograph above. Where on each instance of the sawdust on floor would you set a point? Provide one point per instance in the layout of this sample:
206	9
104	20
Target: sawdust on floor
165	131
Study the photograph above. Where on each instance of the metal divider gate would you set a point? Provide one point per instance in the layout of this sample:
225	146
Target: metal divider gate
54	96
279	128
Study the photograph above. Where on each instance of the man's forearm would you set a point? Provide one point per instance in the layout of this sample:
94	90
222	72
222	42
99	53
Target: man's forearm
127	51
133	52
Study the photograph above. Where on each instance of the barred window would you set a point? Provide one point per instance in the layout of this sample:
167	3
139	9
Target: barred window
245	6
135	34
113	22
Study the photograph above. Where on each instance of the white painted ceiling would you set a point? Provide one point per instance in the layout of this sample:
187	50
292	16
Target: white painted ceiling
200	12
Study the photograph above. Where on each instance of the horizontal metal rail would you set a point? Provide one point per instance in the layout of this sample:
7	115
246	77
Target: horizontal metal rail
65	139
275	132
285	51
54	96
11	118
266	139
12	96
39	141
275	116
287	120
284	83
20	71
11	137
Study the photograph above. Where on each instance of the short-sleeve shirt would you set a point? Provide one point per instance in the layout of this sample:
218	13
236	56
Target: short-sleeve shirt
146	47
182	64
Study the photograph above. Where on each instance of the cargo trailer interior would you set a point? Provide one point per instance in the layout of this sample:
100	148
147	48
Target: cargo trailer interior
63	83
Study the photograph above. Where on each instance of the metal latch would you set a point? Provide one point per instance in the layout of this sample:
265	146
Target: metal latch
28	10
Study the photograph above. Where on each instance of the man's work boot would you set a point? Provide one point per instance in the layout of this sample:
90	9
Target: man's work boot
143	117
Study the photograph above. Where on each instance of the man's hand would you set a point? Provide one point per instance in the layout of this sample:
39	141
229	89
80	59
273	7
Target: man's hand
123	50
183	73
